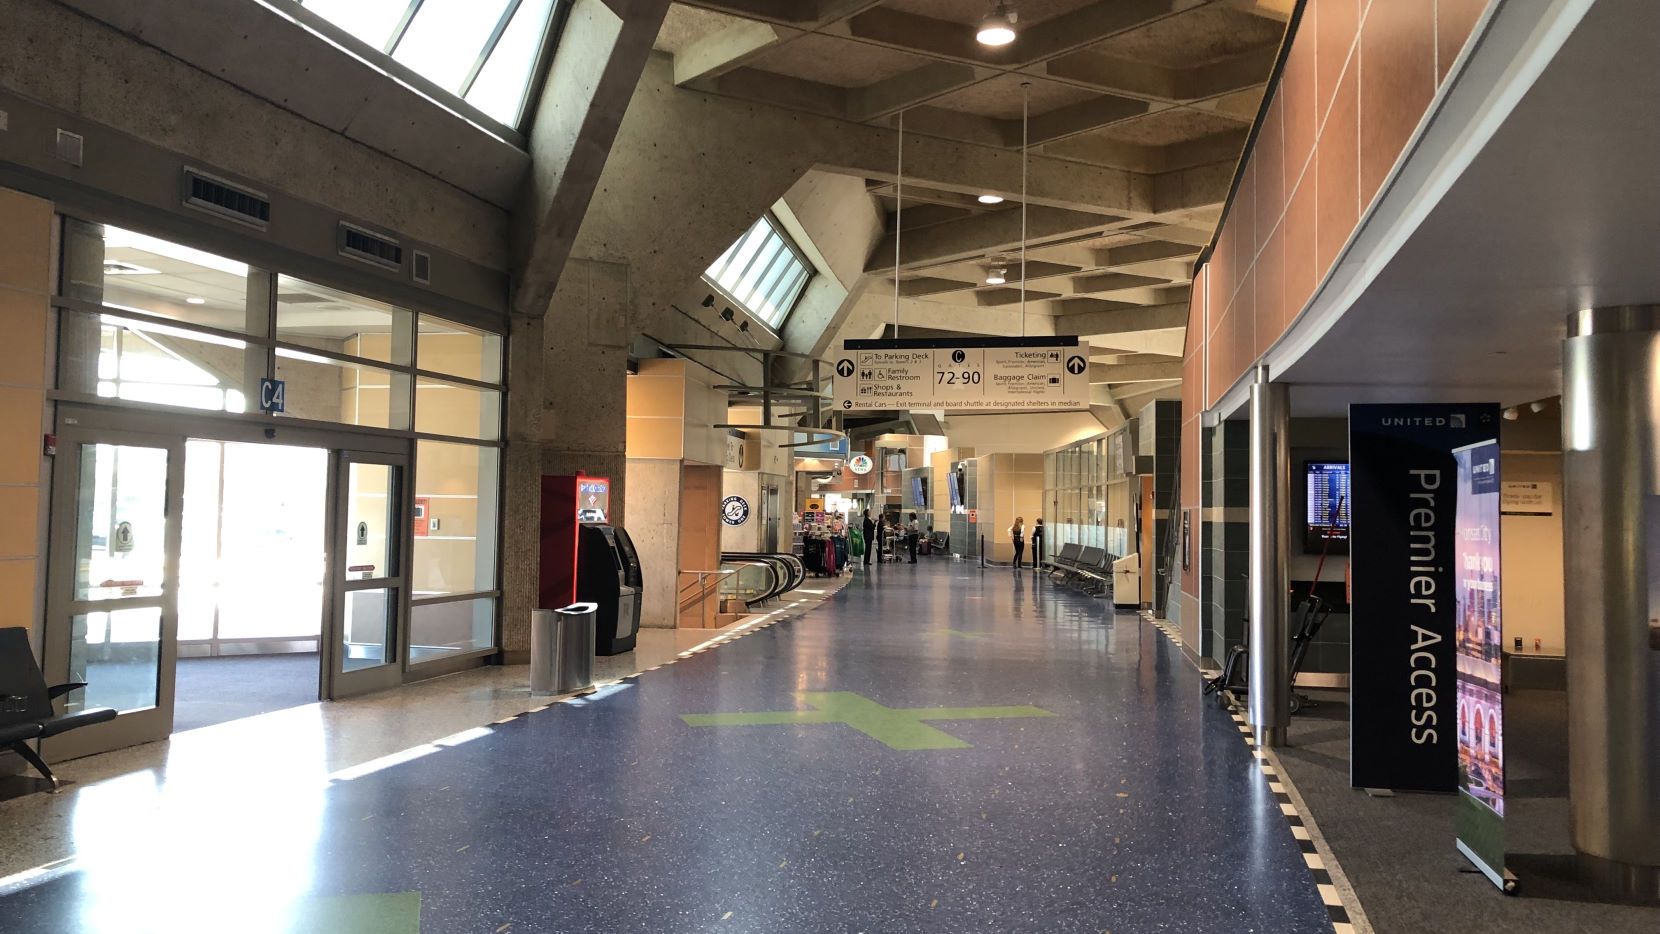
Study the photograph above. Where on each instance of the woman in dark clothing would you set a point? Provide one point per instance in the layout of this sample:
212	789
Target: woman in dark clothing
1017	532
869	528
1037	543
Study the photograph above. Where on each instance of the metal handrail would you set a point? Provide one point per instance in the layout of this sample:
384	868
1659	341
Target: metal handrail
701	583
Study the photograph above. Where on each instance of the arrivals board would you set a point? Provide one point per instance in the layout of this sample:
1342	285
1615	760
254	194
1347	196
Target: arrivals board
1041	374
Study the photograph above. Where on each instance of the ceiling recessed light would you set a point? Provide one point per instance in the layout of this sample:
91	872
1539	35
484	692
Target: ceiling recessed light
991	199
196	301
998	26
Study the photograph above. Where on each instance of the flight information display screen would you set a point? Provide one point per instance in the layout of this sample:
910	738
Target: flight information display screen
1328	507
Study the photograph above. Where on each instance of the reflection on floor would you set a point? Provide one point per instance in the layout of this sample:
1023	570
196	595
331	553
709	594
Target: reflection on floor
1398	851
230	687
936	748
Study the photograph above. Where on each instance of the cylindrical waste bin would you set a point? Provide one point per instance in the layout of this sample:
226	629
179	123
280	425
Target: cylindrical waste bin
562	649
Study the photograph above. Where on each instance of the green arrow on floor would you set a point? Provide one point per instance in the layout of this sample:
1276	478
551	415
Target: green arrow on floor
898	728
390	913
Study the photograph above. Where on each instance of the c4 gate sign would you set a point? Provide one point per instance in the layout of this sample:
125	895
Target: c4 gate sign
1042	374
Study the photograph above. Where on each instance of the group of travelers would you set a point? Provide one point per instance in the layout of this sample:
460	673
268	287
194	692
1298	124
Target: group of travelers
882	534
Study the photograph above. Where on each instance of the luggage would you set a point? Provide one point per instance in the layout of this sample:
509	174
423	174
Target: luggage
925	545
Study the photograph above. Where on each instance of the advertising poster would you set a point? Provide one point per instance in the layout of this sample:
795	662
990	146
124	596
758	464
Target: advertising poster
593	499
1480	813
1404	566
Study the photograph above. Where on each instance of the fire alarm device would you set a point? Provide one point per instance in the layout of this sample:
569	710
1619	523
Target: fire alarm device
51	446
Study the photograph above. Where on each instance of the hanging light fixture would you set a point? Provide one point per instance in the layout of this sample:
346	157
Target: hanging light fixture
997	275
998	26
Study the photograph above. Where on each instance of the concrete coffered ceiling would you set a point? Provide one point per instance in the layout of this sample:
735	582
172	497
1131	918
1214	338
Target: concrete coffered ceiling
1138	113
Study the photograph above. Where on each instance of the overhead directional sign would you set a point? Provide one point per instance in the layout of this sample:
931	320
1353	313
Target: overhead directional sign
999	373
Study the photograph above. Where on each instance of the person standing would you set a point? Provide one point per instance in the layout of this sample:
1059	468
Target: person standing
1037	543
869	528
1018	533
911	535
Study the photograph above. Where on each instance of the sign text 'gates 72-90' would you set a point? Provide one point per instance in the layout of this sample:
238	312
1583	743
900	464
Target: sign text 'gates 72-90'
1011	374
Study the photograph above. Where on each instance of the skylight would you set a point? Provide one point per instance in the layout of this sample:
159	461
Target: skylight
762	272
482	51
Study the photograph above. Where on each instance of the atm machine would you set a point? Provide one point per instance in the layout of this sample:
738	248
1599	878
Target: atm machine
608	575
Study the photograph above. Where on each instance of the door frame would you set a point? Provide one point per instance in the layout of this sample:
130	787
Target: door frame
337	683
80	423
139	726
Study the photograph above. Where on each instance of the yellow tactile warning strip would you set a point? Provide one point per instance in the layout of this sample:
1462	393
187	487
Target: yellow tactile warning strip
1342	905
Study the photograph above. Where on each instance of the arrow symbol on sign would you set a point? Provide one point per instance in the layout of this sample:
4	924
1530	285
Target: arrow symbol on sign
844	368
1075	365
847	403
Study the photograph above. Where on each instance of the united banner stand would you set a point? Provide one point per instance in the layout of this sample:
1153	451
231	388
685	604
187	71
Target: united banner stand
1404	556
1480	814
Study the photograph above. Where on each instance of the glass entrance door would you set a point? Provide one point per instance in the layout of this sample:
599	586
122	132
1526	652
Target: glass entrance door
367	575
113	587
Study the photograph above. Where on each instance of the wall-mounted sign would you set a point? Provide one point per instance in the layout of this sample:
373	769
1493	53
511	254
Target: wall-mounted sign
363	533
1526	498
422	519
273	395
593	499
814	504
122	539
861	464
734	510
1045	374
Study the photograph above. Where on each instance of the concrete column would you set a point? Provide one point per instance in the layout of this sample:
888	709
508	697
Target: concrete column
1611	545
1270	641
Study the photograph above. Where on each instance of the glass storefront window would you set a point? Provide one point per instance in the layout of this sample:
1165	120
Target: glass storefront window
322	318
137	361
455	524
130	271
329	390
440	630
443	408
456	350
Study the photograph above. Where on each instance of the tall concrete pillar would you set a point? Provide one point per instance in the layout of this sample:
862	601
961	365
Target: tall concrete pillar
1270	639
1611	545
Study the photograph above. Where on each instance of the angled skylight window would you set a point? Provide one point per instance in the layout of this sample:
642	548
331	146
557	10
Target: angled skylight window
763	272
481	51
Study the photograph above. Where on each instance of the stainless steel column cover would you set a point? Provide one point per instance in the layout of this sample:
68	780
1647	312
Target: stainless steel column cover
1270	638
1611	466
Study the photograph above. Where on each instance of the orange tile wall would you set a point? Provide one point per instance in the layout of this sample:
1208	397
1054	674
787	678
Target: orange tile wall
1358	78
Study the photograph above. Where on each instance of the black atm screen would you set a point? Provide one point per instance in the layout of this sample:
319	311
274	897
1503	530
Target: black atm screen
1328	507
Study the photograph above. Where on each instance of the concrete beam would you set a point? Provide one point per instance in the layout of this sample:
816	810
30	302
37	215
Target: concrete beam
732	47
592	80
1134	372
974	237
1123	320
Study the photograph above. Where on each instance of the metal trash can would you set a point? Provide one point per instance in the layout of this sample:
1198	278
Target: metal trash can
562	649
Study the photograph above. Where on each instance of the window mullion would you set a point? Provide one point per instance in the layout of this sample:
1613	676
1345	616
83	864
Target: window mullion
489	46
409	14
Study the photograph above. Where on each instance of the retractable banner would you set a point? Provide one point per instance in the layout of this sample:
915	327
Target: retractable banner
1480	815
1404	556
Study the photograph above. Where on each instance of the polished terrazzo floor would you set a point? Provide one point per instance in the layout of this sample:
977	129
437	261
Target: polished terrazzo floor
936	748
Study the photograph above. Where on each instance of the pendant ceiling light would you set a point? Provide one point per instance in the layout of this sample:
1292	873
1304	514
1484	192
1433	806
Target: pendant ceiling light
998	26
997	275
